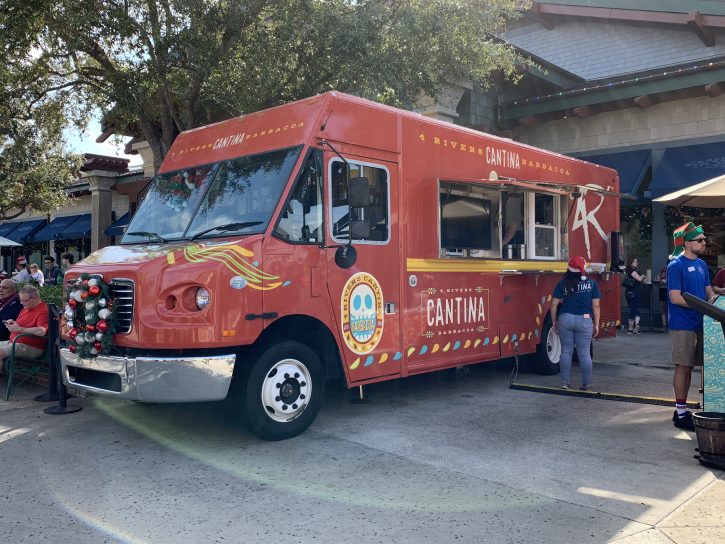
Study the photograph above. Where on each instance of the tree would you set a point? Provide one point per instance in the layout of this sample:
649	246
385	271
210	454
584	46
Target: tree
156	68
35	168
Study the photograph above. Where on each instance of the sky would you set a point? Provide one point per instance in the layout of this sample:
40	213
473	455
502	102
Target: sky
86	143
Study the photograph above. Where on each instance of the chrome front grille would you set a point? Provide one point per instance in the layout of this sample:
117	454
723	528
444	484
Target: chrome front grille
123	295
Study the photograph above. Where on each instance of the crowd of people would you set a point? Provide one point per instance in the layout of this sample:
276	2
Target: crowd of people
52	274
575	312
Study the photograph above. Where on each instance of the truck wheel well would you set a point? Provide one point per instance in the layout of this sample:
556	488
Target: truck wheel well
311	332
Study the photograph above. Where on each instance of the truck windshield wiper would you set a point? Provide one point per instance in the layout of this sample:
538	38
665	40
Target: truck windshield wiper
150	235
225	228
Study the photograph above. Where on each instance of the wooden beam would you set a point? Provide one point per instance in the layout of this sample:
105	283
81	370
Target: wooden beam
663	17
695	22
714	89
583	112
505	134
547	21
645	101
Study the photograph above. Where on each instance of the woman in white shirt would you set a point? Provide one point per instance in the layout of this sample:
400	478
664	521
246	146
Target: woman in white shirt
36	274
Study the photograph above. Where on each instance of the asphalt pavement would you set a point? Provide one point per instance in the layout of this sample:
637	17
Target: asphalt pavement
444	457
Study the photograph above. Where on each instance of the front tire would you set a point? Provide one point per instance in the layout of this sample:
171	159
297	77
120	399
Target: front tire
548	351
280	393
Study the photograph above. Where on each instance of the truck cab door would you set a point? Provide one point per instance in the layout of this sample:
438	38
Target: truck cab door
365	297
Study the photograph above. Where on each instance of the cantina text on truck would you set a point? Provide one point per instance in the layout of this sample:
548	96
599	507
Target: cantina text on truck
337	237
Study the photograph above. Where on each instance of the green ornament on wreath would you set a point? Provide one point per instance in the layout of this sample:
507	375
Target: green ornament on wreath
89	317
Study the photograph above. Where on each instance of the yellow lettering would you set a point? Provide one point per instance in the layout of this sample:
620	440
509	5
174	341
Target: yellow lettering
454	144
480	151
436	140
301	124
471	149
421	137
463	147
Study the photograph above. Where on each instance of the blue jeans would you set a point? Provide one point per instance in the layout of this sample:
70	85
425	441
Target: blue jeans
575	331
633	303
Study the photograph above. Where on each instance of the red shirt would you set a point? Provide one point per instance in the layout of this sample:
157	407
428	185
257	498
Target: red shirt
719	280
33	317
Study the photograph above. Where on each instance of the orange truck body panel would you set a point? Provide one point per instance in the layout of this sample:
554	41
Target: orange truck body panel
431	312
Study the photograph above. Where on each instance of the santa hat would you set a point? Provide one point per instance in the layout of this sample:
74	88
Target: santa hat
21	260
578	264
685	233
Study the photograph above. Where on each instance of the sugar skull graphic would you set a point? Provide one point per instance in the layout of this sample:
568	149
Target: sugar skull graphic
362	313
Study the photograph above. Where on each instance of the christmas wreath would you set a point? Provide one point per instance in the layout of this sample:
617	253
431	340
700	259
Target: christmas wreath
89	317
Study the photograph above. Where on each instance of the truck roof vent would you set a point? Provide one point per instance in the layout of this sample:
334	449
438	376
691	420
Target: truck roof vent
123	295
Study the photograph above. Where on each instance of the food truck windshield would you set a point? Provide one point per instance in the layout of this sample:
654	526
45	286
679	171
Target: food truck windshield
231	197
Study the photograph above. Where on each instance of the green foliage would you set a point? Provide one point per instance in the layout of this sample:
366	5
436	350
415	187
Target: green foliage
36	100
158	68
52	294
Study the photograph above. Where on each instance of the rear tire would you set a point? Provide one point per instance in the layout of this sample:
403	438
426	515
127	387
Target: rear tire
280	393
548	351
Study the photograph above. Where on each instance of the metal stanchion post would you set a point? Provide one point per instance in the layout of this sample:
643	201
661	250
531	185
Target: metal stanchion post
56	371
52	394
651	307
63	407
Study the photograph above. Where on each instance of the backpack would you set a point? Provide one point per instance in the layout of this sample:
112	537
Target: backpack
628	281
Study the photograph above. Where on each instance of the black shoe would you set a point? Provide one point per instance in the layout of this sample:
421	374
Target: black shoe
684	422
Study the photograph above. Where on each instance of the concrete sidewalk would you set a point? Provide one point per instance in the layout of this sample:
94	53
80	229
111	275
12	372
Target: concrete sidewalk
435	458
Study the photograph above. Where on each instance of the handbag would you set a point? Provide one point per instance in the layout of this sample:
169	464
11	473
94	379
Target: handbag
628	282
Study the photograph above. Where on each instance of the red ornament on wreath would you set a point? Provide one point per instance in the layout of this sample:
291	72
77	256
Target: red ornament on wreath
72	348
94	290
102	325
84	295
73	333
72	303
98	346
91	328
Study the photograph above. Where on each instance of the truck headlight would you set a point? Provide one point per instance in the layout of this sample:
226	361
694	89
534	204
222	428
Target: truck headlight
203	298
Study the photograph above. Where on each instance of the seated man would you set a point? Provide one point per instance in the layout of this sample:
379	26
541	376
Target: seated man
10	305
33	319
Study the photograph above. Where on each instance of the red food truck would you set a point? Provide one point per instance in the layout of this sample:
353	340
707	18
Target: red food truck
335	238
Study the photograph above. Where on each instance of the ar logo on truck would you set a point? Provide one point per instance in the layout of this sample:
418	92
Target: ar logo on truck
362	313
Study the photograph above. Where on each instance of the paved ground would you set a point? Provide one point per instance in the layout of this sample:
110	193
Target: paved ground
437	458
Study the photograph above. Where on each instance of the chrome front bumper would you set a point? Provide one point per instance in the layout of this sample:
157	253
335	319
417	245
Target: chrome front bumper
151	379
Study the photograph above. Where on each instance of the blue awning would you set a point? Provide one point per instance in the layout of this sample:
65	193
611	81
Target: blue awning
7	228
80	228
631	166
117	227
52	229
25	230
688	165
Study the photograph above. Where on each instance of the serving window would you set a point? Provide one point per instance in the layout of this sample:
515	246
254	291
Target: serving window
503	223
468	221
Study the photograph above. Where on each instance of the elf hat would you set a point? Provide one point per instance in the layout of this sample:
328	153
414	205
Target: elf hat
685	233
578	264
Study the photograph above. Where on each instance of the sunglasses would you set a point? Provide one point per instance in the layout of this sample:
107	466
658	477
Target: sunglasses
699	240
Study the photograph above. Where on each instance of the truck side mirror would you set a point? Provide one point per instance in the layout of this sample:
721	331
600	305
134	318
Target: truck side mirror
359	192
